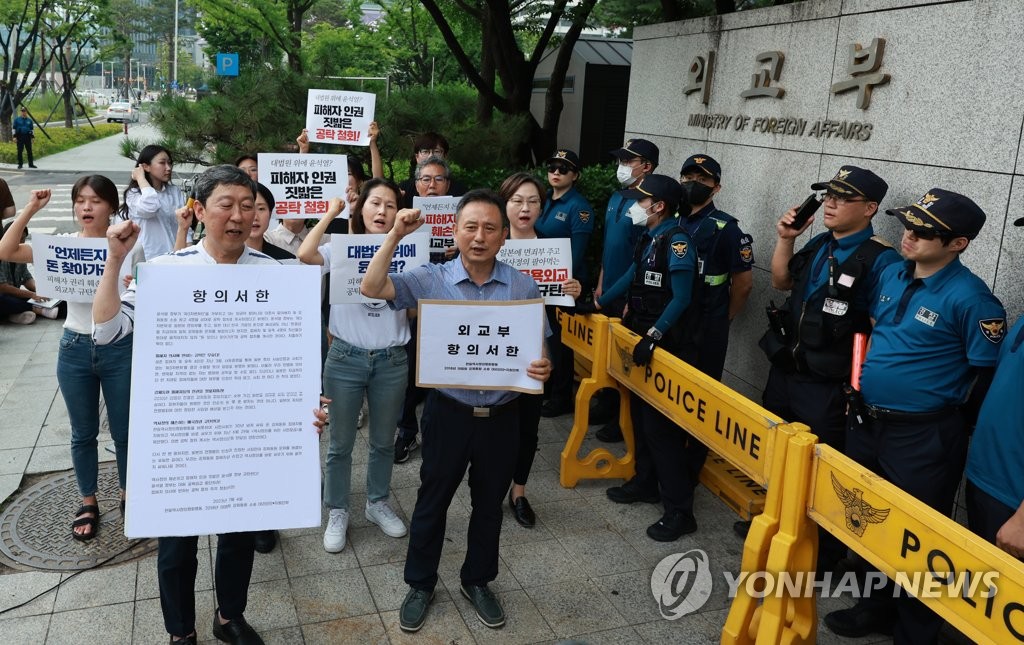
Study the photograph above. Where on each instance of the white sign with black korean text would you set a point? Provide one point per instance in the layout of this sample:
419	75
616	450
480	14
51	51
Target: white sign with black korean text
225	378
479	345
338	117
438	220
303	184
548	262
68	268
351	255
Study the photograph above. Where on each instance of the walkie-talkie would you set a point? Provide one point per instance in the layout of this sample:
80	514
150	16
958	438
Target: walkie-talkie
805	211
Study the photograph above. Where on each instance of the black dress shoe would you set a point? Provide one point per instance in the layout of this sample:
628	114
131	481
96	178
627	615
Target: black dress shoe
264	541
236	632
188	640
610	433
522	511
602	413
741	528
860	620
629	493
672	526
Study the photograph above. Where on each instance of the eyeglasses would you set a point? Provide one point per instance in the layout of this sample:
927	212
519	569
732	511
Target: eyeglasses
439	179
559	169
519	203
437	152
842	199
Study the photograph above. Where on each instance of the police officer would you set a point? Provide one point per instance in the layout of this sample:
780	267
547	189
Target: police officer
935	342
658	287
567	213
637	159
725	258
811	340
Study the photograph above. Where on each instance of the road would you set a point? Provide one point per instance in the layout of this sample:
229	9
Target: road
60	171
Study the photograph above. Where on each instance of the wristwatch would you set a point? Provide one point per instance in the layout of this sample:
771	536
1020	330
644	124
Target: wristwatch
654	333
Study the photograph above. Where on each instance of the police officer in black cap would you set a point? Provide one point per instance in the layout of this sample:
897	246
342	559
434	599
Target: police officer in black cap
933	351
658	287
725	257
810	342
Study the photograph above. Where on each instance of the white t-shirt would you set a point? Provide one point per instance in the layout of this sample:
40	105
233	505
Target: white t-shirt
153	211
366	325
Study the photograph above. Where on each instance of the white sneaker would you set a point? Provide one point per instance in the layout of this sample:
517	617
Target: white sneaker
46	312
337	526
380	513
24	318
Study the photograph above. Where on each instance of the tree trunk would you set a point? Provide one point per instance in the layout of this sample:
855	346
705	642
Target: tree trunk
547	138
295	15
484	104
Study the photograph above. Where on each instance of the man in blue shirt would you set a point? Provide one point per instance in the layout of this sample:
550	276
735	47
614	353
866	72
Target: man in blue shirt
725	259
933	349
637	159
23	135
461	427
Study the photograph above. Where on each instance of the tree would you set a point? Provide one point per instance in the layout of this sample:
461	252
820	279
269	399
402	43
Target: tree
25	56
73	29
280	21
129	21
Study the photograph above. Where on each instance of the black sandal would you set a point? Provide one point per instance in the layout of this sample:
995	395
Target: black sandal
92	522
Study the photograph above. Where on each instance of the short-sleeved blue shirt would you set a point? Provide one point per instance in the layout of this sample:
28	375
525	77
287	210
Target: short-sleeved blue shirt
922	349
568	216
995	463
845	246
620	237
731	252
449	281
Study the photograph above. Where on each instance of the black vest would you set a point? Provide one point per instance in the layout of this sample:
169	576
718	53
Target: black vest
819	329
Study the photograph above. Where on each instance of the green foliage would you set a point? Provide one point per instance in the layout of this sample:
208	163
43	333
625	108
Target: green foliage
61	139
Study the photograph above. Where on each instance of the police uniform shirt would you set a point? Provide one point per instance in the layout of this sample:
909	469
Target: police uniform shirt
620	238
927	335
731	252
994	463
568	216
842	250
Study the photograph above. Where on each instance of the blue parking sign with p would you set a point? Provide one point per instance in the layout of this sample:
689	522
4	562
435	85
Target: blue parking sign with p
227	64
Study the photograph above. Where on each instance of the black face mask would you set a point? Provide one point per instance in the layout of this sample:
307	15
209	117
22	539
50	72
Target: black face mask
696	192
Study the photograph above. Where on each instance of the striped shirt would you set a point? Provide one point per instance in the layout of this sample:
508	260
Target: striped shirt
449	281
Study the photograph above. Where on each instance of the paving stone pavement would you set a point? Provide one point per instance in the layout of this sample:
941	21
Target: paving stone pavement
583	573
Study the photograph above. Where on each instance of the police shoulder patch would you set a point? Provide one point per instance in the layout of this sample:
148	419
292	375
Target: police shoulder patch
994	329
679	249
747	254
584	216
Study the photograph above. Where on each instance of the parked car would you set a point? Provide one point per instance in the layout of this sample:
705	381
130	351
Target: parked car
122	112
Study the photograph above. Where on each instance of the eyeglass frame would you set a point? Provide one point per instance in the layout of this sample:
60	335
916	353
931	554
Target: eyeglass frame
432	179
535	201
842	199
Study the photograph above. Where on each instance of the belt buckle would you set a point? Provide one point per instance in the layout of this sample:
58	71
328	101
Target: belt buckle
481	412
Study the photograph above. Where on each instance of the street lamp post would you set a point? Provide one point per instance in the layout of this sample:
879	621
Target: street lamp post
174	73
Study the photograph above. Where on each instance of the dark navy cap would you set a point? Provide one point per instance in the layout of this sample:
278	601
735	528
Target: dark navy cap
566	155
637	148
705	164
659	188
943	212
853	181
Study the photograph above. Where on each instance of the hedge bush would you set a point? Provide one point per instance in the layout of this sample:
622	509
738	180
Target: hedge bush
60	139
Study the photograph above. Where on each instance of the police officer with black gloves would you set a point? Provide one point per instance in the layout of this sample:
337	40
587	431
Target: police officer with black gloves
810	341
933	352
658	288
725	259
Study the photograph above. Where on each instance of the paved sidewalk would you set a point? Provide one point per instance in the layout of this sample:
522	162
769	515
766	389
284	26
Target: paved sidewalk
583	573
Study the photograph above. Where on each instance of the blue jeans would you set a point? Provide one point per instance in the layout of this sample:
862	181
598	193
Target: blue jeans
349	373
83	369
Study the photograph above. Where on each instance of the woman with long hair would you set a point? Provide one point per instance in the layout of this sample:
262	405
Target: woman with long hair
367	358
151	201
84	369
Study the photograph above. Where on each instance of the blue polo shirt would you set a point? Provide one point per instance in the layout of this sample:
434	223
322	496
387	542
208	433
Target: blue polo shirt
843	249
568	216
927	335
620	238
730	252
994	463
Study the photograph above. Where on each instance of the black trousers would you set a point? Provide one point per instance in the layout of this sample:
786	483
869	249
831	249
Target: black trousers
529	422
667	457
24	142
559	386
176	572
986	514
925	459
452	440
714	345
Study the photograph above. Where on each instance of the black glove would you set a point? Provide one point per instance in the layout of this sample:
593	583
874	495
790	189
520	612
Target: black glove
643	351
583	308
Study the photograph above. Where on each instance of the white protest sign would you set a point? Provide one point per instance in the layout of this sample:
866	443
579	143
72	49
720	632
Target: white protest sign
68	268
438	219
351	255
225	378
341	118
479	345
548	262
303	184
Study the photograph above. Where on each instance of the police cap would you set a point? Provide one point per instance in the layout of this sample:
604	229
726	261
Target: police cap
637	148
703	163
853	181
659	188
943	212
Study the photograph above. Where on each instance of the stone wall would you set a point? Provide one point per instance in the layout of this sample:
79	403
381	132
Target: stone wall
950	115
